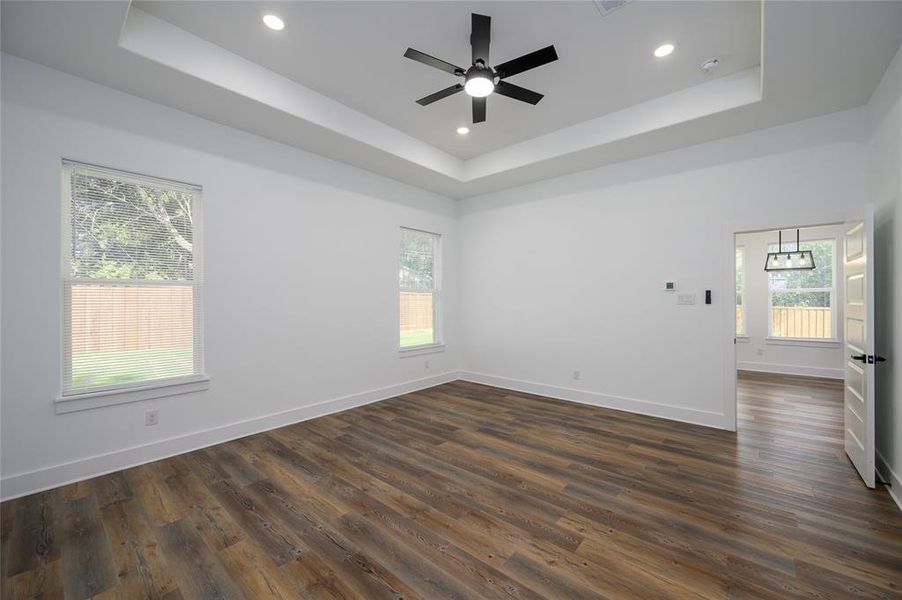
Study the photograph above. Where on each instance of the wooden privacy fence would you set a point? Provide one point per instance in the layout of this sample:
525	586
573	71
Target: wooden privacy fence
119	318
797	322
802	322
416	310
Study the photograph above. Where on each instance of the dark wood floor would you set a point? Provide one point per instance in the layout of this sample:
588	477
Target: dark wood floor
468	491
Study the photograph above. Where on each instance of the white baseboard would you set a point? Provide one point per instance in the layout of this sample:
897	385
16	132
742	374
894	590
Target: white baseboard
13	486
888	475
642	407
791	369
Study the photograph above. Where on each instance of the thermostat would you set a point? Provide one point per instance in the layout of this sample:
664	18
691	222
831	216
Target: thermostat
669	286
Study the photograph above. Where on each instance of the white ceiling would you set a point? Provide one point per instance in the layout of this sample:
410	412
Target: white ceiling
352	52
606	99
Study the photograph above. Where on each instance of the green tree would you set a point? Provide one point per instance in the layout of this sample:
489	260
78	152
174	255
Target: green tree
417	252
122	230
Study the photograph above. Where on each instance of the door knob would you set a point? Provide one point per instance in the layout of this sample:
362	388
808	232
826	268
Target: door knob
860	357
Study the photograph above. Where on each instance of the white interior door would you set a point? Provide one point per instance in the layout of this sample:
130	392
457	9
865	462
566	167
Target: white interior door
858	270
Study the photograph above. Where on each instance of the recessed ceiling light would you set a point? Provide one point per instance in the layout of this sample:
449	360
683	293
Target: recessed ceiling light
663	50
273	22
463	130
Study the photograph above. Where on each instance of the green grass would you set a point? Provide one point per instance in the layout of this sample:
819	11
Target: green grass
95	369
416	337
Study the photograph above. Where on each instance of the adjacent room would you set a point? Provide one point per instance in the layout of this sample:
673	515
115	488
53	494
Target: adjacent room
449	299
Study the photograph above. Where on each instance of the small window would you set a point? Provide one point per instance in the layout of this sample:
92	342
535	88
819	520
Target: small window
131	281
740	287
802	303
420	284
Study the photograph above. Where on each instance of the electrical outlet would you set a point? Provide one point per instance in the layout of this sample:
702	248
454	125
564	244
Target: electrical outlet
576	375
427	365
151	416
760	351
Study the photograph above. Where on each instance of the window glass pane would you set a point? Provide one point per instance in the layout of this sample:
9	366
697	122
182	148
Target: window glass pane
740	284
797	313
417	260
417	315
419	288
131	295
126	230
126	334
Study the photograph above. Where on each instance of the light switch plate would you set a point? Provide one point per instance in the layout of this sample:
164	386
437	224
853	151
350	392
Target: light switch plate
686	299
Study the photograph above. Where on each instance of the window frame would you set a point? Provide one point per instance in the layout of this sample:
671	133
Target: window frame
86	398
833	308
437	345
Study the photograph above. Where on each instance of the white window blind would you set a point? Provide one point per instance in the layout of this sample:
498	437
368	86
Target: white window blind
419	276
131	280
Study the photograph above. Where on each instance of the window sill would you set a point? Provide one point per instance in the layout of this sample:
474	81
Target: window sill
809	342
98	399
420	350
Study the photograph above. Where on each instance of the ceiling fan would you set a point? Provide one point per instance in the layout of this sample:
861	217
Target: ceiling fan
480	79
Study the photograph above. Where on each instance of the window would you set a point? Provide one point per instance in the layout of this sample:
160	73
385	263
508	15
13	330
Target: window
802	302
420	280
740	286
131	281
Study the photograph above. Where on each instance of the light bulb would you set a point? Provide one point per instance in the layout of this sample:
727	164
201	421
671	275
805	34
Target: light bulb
802	260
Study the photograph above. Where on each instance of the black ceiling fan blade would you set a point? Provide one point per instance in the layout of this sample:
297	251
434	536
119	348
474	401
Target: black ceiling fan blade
432	61
440	94
478	110
480	37
527	62
517	93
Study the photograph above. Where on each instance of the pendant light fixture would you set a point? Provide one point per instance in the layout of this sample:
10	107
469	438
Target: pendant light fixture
800	260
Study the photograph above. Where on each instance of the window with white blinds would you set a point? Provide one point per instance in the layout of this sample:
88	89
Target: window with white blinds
420	277
131	280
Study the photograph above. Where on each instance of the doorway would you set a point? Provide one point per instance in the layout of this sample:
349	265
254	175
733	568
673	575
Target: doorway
801	337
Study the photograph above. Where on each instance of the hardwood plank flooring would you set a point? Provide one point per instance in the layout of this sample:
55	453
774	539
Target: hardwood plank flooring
468	491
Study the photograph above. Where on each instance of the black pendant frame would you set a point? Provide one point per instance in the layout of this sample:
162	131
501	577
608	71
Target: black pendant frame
807	255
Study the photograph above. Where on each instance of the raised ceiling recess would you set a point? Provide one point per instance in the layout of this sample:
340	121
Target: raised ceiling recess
321	83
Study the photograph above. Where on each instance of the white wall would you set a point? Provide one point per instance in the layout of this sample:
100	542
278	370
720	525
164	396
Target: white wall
567	274
885	190
755	352
557	276
301	256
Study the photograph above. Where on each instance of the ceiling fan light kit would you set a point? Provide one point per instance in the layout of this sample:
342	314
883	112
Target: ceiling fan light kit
481	80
